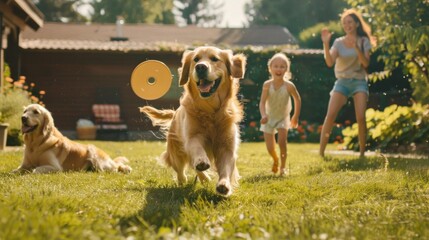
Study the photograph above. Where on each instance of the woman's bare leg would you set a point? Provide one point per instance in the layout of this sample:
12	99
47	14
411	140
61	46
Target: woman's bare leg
360	102
336	102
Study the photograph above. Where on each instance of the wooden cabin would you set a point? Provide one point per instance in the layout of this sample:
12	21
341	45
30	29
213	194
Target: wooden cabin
15	17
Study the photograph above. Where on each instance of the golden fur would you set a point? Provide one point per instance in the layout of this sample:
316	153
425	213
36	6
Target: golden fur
204	129
47	150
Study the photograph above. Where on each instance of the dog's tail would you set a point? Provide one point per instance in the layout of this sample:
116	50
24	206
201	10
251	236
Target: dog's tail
160	118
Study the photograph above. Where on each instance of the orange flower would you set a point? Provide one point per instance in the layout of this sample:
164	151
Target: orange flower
21	84
319	129
34	99
252	124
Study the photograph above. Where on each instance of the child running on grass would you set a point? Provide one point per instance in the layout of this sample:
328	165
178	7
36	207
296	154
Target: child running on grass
275	107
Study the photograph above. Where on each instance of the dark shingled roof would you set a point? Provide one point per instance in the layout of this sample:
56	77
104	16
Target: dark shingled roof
147	37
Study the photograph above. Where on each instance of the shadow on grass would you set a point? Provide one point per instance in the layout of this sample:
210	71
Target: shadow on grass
377	163
164	205
262	178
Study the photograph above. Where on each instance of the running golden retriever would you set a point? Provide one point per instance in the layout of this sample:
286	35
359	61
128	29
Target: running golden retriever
204	129
47	150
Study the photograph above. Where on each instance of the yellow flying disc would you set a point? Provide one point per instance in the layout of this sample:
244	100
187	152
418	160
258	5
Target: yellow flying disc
151	79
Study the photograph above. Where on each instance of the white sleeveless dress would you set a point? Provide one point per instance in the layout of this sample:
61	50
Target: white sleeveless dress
278	107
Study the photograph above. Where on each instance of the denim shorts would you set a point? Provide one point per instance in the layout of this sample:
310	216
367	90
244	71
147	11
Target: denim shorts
348	87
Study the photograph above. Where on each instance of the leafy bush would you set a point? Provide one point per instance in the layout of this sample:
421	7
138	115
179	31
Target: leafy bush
310	37
397	128
16	95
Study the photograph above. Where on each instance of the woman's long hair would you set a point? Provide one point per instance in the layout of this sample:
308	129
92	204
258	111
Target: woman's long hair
363	30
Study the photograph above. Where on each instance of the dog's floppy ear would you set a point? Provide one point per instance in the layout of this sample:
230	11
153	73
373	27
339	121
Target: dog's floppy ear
184	70
48	122
238	67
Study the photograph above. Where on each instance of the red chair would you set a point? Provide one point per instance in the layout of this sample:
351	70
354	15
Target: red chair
107	118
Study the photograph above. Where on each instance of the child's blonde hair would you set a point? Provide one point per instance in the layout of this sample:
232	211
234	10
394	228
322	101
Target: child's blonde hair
288	74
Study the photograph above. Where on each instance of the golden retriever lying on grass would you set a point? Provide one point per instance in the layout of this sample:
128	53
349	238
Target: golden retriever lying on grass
47	150
204	129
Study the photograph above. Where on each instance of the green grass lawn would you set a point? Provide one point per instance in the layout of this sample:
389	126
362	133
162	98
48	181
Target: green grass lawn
340	197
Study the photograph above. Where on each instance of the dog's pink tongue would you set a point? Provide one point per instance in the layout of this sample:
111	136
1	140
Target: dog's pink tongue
204	88
25	129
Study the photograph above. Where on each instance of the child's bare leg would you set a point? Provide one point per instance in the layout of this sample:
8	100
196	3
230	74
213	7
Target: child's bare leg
270	143
282	141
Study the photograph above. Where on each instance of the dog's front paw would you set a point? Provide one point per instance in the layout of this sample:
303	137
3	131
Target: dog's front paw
202	164
224	187
20	171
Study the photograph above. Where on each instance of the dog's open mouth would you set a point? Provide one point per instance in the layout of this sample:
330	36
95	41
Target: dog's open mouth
27	129
207	88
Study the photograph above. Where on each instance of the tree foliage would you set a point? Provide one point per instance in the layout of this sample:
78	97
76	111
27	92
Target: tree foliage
403	38
132	11
296	15
198	12
60	10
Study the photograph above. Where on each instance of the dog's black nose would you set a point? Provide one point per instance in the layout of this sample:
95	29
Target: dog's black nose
24	119
201	69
